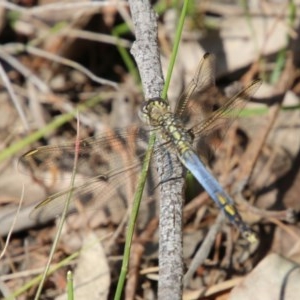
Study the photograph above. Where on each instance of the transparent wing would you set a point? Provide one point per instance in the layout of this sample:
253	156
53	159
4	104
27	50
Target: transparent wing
107	167
193	112
227	113
96	193
203	79
97	155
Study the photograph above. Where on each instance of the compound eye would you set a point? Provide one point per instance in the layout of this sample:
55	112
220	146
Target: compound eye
144	113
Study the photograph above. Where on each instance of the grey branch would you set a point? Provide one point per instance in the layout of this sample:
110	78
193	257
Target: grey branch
146	53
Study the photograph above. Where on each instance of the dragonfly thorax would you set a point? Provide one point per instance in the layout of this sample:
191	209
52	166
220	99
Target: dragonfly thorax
157	113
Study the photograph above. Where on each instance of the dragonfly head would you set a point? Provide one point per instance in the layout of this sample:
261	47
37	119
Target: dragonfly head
152	111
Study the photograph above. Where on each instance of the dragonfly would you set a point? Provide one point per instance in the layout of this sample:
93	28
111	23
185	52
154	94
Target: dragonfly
175	134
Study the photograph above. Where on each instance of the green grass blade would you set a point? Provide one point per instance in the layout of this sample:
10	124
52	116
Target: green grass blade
70	288
133	217
175	48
